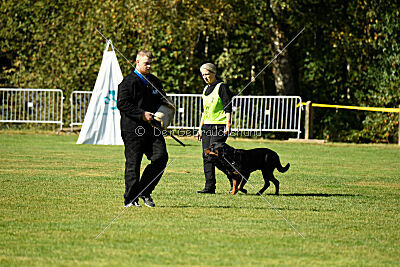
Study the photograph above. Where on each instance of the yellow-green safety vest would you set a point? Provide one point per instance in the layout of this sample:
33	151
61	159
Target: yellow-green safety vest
214	112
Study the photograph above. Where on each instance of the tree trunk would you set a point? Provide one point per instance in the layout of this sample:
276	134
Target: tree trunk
281	66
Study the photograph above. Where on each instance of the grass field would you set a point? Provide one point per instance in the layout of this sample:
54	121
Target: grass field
55	197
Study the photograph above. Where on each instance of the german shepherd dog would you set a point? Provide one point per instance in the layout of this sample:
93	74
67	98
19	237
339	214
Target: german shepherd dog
238	164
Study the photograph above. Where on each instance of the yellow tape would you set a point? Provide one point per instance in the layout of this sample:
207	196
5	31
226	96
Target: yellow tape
396	110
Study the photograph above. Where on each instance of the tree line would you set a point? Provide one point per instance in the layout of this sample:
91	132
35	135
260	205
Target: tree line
348	53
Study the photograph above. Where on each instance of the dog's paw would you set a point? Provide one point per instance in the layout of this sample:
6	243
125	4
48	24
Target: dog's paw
233	191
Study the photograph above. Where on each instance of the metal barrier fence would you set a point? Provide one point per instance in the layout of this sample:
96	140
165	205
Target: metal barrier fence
188	111
79	103
250	113
31	105
266	114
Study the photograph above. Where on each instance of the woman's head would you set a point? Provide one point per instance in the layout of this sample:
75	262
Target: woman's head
209	72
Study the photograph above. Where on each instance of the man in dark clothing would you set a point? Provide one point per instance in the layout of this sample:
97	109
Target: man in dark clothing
140	95
215	122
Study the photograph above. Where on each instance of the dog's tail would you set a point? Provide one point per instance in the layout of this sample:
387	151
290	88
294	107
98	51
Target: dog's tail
282	169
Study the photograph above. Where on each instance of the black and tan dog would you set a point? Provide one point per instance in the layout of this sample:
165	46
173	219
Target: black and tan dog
238	164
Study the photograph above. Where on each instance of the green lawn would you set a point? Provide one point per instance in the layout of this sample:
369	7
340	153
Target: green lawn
56	197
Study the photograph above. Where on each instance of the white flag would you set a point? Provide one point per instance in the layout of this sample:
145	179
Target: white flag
102	121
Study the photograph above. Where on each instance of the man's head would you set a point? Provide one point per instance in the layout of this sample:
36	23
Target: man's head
209	72
143	61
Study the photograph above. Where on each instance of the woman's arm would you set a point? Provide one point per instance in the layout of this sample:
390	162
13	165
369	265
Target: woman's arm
228	124
199	133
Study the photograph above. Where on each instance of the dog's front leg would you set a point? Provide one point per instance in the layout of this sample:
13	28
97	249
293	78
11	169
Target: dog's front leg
234	187
241	185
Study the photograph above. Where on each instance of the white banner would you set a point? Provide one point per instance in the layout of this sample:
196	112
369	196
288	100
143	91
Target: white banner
102	121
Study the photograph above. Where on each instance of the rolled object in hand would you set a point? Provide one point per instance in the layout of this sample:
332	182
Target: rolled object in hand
165	114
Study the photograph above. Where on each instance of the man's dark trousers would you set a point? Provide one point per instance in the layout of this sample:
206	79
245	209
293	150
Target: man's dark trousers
211	133
137	144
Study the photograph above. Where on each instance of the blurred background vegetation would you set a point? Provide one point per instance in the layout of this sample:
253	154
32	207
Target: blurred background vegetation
348	54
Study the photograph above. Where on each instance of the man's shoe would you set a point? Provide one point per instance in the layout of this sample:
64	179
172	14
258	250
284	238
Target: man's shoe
148	201
206	191
132	204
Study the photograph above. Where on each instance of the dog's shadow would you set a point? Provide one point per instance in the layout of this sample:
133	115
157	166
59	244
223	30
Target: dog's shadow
317	195
263	195
302	195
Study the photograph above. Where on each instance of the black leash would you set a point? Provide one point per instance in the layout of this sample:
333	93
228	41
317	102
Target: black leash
156	124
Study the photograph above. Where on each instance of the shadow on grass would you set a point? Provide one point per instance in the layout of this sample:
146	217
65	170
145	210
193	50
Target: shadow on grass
303	195
266	207
318	195
289	195
197	206
285	195
215	207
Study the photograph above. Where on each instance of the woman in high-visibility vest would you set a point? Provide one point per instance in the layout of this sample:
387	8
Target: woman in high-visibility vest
215	124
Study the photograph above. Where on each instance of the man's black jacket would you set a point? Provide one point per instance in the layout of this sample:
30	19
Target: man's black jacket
135	97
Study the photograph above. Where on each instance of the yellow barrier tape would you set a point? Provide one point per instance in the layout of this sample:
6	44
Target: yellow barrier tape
396	110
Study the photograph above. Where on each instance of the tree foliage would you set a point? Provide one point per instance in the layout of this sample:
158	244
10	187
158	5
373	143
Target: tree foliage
348	53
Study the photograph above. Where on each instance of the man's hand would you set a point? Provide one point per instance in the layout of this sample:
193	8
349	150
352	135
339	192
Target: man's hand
147	116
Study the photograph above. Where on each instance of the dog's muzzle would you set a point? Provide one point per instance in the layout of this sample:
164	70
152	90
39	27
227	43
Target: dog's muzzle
210	153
